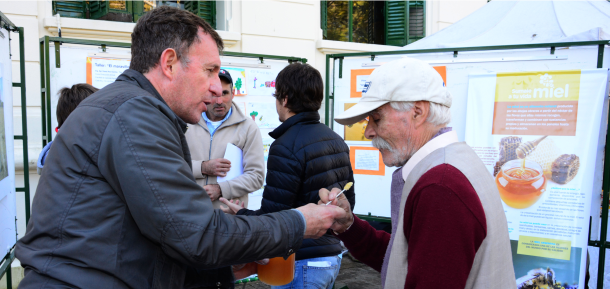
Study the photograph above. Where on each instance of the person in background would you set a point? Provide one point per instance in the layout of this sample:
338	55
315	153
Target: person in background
224	123
449	229
121	208
305	156
69	98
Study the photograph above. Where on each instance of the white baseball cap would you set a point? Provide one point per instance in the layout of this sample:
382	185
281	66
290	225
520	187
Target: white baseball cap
405	79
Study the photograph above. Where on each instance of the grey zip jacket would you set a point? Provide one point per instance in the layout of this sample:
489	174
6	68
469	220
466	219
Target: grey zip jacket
117	205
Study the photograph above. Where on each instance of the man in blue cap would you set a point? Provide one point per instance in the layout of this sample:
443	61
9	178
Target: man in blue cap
224	123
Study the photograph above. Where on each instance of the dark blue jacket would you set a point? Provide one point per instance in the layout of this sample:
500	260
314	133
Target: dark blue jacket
305	157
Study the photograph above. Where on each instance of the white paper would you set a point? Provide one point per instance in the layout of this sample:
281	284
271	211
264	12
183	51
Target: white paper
320	264
360	81
236	156
264	114
367	160
105	71
261	81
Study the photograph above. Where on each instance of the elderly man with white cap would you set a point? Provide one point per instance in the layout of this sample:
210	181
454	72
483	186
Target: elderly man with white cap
448	225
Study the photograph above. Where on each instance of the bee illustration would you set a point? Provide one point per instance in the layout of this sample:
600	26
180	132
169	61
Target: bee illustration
541	278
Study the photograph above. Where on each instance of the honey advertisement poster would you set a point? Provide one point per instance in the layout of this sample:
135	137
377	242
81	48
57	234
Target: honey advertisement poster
538	134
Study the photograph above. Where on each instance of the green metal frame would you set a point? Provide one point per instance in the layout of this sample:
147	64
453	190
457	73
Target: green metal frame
603	244
7	260
45	70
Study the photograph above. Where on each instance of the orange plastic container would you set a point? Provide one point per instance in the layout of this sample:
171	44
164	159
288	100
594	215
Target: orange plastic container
278	272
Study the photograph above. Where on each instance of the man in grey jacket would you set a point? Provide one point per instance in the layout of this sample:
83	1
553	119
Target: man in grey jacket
118	206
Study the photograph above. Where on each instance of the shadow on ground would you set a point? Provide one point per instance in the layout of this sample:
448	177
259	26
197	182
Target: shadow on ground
352	274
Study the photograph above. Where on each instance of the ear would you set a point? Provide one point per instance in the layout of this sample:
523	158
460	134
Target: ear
168	62
421	110
285	101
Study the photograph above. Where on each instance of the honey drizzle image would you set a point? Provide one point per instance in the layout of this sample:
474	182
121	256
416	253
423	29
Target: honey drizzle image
522	182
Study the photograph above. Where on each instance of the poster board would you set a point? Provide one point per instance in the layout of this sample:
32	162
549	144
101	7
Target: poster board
254	84
8	206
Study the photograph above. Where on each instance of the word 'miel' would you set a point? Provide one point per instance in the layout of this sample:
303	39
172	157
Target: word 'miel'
541	92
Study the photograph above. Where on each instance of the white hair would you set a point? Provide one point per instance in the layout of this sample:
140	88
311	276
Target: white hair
439	114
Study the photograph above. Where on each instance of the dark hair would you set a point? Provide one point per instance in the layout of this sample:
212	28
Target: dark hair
69	98
302	85
223	81
162	28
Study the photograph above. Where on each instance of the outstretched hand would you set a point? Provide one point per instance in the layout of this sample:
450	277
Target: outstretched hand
341	224
320	218
232	207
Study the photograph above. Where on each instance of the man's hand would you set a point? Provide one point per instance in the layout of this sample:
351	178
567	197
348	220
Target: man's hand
340	224
242	271
216	167
213	191
232	207
319	218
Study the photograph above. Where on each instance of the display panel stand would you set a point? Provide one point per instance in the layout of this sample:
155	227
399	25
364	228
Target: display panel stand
8	26
337	92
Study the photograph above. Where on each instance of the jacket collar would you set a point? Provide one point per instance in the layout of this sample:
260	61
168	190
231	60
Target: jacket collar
237	116
140	80
309	116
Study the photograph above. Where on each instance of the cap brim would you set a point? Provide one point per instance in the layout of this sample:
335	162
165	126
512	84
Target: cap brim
358	112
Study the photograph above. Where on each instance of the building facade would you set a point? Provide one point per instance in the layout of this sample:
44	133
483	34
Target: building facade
300	28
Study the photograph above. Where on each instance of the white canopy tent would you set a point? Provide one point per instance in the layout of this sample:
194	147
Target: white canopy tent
524	22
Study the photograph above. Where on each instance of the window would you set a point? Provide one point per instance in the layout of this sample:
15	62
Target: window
131	11
376	22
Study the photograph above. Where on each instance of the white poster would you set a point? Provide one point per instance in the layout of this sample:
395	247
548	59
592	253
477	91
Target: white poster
8	206
537	133
261	81
264	114
239	80
104	71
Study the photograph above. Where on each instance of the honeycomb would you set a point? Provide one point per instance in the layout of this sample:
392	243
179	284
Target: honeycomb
545	153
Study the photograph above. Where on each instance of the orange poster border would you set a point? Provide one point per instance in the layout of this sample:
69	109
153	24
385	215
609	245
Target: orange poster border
442	70
352	158
353	81
89	71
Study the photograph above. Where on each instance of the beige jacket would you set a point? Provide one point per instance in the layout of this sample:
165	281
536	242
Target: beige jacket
243	133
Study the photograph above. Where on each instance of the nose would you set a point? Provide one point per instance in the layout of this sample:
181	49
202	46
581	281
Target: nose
215	86
218	100
369	132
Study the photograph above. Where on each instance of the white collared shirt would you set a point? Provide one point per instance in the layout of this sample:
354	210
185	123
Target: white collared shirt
438	142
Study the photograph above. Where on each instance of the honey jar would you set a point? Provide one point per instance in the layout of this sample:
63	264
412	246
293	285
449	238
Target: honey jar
521	183
278	272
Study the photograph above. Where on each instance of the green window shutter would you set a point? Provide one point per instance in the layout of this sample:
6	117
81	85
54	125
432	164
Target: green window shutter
203	9
323	19
138	10
396	14
104	10
98	9
417	21
74	9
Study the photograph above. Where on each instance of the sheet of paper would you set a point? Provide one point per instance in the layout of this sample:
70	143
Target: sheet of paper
264	114
367	160
236	157
102	71
361	79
